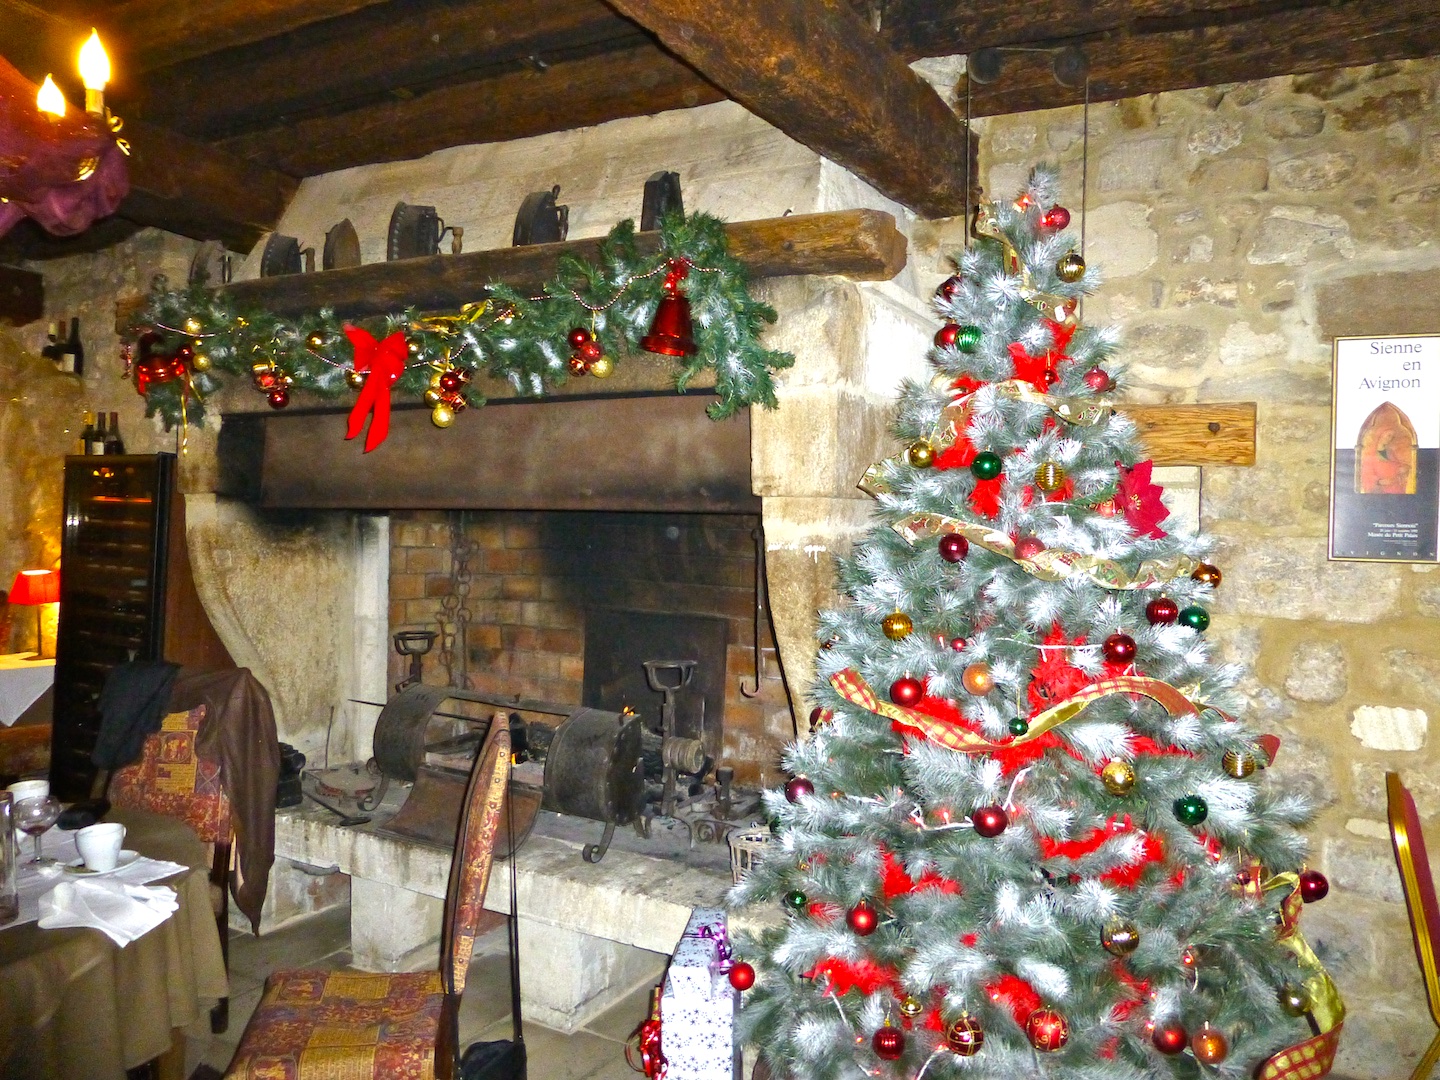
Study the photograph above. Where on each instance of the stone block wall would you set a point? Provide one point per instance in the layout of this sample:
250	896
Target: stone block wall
1240	229
535	575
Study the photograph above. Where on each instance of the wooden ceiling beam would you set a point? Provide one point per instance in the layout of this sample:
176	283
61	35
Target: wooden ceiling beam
370	56
817	72
574	93
1275	42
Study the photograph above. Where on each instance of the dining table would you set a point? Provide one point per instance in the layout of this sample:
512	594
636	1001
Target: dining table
76	1006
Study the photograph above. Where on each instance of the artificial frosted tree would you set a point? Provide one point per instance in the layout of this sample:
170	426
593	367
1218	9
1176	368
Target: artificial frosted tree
1027	836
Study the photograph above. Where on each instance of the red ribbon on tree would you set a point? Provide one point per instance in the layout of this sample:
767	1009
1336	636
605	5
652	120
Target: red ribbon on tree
385	361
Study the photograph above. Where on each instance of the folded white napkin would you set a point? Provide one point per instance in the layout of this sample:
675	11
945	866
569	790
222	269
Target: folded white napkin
123	912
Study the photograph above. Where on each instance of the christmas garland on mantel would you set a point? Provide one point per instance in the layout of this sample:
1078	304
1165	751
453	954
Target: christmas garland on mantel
185	345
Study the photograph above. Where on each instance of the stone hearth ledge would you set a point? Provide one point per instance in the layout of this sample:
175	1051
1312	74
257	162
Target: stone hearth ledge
589	934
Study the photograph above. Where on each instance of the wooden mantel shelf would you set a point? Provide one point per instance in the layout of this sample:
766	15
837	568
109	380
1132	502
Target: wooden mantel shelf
863	245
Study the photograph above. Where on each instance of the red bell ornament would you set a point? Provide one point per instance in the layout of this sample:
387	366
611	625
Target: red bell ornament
671	333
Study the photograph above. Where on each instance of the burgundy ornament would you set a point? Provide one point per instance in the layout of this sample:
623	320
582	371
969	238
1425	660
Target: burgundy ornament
954	547
1055	219
1027	547
990	821
906	690
578	336
957	644
742	976
450	381
1098	379
278	398
949	287
589	351
1170	1038
1047	1029
798	788
888	1043
1162	611
1119	648
1313	886
862	918
947	335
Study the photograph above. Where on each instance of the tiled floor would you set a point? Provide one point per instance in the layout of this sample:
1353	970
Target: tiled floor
596	1052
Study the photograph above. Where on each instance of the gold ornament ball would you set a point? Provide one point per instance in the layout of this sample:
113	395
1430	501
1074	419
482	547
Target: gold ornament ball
355	379
897	625
200	362
1294	999
442	416
1120	937
977	679
1049	476
192	325
1207	574
315	341
602	367
1118	777
910	1006
920	454
433	396
1210	1046
1070	268
1238	763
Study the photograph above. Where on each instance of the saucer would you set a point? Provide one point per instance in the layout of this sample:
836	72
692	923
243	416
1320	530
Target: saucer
127	857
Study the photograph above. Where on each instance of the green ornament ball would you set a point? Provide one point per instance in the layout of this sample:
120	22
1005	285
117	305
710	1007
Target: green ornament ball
796	900
1019	726
1191	810
986	466
1196	618
968	339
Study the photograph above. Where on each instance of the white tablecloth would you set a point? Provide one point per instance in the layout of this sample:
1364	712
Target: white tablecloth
22	680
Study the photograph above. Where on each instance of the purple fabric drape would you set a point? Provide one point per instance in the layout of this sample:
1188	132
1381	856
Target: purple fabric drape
43	158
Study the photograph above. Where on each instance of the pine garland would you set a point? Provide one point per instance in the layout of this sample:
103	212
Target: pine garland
508	334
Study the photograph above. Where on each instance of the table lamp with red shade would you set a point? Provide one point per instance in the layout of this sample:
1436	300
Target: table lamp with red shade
32	588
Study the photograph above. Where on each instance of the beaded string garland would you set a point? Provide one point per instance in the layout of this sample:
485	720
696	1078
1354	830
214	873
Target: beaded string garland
186	344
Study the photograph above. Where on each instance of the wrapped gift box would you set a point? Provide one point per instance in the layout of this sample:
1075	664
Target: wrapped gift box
697	1008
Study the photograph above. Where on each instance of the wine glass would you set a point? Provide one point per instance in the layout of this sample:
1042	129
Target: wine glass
34	817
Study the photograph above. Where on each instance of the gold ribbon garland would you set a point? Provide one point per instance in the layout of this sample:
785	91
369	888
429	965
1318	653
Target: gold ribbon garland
1313	1057
1059	308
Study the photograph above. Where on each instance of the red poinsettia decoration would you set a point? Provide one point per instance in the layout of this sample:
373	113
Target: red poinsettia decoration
1138	498
1054	678
1041	371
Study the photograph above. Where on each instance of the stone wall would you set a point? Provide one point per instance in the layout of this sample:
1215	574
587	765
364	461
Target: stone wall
1239	230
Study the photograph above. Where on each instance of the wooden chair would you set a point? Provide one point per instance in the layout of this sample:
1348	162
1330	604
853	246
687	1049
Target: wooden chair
172	779
1420	899
317	1025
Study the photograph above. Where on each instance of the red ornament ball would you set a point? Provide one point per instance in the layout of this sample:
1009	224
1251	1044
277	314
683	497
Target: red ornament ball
578	336
1119	648
906	691
949	287
1027	547
278	398
1313	886
798	788
947	335
1056	218
862	918
965	1038
957	644
577	364
267	380
450	381
1162	611
589	351
954	547
184	354
819	715
1047	1029
1098	379
990	821
742	976
888	1043
1170	1038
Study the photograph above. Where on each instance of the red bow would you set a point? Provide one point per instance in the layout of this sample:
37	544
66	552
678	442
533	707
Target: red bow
385	361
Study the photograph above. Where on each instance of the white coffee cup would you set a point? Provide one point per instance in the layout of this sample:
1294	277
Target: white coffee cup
100	845
29	789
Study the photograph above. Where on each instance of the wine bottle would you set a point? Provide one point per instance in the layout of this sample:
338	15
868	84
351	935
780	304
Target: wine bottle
74	358
96	443
113	443
87	434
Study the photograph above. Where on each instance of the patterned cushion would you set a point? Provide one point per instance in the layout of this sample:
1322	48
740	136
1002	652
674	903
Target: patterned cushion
172	779
337	1025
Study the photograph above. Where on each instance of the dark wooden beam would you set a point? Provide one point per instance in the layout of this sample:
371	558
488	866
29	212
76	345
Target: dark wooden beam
27	240
371	56
816	71
571	94
196	190
22	295
861	244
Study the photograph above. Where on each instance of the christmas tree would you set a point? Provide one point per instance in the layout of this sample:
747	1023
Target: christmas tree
1027	836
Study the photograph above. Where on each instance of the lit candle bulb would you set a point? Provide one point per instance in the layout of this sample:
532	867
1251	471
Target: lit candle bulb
94	73
49	100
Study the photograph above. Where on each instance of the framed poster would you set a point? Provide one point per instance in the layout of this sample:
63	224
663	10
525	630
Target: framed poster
1385	449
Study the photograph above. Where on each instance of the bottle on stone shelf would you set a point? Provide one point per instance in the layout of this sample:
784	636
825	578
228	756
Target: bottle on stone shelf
95	442
86	434
73	359
113	443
